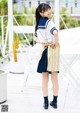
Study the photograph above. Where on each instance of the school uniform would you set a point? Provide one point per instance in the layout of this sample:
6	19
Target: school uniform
49	59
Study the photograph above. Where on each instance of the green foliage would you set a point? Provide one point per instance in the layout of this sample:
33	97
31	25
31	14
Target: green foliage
3	7
79	23
20	19
0	53
63	10
0	26
33	9
3	11
5	21
28	20
68	20
25	10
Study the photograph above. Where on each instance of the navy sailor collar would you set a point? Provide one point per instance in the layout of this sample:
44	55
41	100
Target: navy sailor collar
43	23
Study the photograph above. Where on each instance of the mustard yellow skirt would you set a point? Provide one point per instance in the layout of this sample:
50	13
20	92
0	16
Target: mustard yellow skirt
49	60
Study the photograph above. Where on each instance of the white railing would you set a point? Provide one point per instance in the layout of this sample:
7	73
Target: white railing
4	39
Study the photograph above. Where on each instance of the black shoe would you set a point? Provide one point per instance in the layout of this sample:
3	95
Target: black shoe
46	105
53	104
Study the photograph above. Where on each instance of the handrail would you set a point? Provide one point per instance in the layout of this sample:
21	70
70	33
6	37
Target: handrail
34	14
22	33
26	15
63	22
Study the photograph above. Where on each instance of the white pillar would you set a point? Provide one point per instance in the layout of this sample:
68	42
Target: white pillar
10	23
2	31
57	13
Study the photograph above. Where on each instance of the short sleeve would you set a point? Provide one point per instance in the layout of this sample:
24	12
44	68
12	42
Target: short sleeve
51	27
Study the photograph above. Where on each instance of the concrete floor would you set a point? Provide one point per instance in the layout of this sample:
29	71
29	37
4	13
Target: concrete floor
29	99
25	96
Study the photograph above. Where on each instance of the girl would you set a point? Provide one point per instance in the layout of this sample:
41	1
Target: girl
47	35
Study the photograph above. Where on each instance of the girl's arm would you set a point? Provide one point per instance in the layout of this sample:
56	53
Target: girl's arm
36	39
55	33
54	44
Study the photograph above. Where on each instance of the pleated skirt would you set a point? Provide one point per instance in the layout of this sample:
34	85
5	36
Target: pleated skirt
49	61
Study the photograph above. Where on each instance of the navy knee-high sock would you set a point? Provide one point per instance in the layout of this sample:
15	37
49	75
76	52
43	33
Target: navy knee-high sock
55	99
46	99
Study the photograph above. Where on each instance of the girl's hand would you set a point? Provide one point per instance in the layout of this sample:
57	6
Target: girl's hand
44	44
53	45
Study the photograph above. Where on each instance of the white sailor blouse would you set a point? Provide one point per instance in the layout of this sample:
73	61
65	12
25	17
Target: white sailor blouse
45	33
45	30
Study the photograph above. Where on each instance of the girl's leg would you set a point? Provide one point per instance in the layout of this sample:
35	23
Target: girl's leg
54	79
45	79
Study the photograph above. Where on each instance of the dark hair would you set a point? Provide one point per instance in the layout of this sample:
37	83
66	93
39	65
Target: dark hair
41	8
